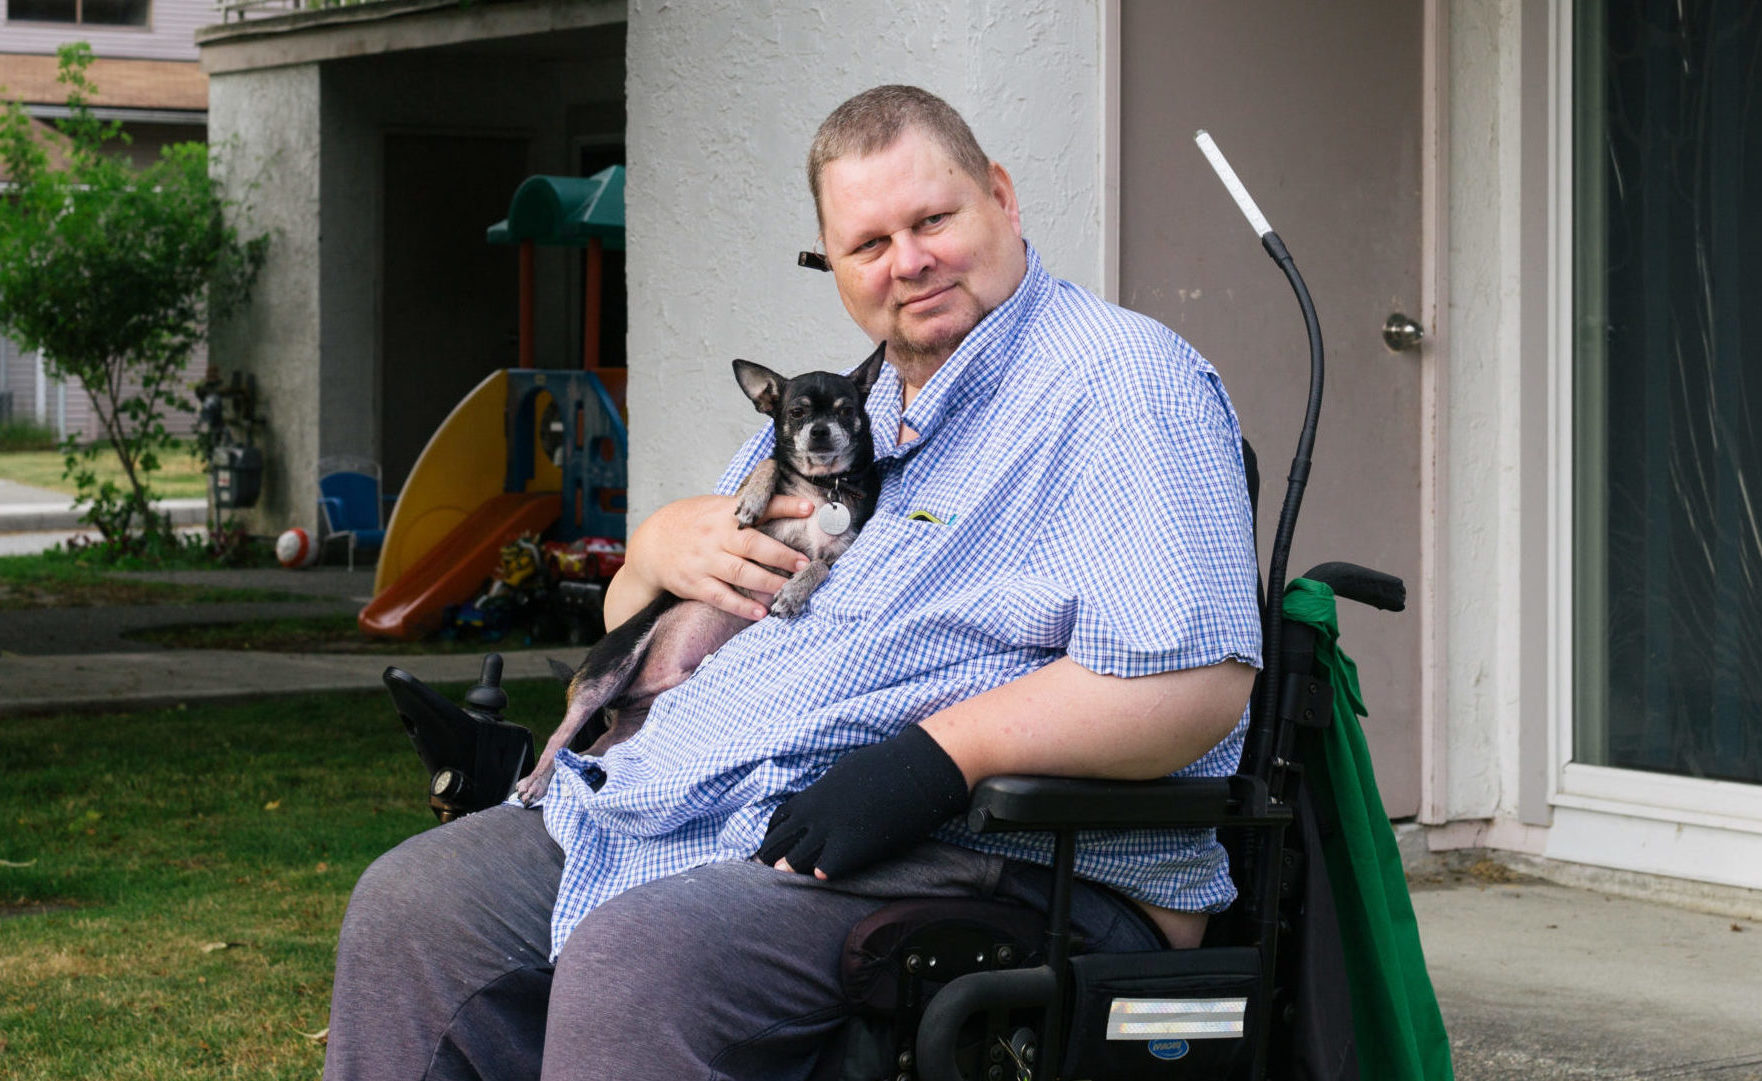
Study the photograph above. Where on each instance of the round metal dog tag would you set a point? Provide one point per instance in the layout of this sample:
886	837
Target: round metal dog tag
833	519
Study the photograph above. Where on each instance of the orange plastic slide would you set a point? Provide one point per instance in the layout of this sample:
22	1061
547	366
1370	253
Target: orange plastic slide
453	570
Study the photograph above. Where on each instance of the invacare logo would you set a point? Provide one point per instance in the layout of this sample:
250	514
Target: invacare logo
1169	1050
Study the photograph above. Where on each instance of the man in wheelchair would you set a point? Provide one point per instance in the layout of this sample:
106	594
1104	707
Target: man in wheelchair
1060	578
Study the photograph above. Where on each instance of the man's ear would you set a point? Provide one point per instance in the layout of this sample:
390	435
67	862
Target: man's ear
1003	191
869	370
761	384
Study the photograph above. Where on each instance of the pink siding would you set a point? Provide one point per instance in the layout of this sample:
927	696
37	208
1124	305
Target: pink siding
169	35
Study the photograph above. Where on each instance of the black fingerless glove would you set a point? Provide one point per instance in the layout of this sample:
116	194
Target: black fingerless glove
875	802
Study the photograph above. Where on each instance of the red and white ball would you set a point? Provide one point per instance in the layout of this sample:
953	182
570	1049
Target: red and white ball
295	549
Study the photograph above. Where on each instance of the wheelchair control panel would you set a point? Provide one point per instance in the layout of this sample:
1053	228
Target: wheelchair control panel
472	755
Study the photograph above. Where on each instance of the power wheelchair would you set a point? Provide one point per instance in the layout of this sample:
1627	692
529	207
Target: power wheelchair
966	990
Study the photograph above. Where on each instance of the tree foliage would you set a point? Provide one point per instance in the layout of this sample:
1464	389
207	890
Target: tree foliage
114	273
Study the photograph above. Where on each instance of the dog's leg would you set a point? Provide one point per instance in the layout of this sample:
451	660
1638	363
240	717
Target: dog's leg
657	650
754	494
793	597
621	724
605	672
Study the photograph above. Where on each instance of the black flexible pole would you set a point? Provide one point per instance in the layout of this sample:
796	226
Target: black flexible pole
1272	662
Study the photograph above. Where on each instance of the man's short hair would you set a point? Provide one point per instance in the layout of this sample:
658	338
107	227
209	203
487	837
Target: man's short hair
871	121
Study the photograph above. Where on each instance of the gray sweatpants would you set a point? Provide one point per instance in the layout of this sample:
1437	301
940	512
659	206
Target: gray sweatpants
726	971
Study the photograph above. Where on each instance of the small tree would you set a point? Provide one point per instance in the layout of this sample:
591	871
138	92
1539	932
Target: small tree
113	273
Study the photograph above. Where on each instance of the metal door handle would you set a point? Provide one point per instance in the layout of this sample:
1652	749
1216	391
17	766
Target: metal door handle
1401	333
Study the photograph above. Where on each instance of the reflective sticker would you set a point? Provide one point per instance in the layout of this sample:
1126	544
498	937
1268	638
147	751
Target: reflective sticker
1188	1018
1168	1050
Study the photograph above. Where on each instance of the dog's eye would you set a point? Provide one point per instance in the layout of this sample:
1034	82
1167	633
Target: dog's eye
846	413
796	412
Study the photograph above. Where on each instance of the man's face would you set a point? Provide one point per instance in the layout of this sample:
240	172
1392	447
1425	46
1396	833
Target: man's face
921	250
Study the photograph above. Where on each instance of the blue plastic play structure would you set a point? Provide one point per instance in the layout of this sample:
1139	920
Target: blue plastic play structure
586	438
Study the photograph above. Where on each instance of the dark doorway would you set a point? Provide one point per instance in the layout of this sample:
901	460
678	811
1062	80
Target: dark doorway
450	300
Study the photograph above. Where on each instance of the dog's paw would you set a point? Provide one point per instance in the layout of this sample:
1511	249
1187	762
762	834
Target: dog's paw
749	508
753	497
789	602
532	787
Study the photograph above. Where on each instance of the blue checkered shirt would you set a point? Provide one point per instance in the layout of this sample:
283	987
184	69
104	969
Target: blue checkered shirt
1084	468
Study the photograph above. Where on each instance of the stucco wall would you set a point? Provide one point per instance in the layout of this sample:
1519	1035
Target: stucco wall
264	127
724	97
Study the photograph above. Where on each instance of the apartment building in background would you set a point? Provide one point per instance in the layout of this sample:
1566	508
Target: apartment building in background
148	78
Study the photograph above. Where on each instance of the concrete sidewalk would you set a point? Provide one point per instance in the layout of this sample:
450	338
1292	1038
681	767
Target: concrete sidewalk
24	509
122	682
1538	980
76	660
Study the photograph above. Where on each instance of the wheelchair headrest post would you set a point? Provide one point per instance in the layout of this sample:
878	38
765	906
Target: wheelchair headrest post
1260	742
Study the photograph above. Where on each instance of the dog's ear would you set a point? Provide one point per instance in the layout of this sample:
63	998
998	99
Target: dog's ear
761	384
869	370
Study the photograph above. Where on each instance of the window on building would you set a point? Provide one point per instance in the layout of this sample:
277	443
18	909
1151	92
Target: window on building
1668	387
88	12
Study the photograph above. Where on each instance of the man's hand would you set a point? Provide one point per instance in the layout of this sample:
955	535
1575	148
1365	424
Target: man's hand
693	548
875	802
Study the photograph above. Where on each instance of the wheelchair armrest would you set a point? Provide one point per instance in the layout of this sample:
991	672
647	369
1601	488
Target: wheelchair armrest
1008	803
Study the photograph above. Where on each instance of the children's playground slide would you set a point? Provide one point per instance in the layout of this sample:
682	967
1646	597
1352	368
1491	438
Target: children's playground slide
502	464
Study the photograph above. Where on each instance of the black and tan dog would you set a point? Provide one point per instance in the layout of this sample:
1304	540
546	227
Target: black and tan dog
825	453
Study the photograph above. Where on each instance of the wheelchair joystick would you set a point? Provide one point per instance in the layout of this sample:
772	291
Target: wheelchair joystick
487	697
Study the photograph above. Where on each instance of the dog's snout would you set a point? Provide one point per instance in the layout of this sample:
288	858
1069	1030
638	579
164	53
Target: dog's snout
820	436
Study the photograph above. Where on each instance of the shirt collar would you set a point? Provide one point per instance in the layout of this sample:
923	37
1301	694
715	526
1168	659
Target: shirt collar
971	372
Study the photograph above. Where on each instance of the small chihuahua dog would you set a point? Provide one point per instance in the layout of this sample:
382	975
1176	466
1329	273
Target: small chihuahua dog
825	453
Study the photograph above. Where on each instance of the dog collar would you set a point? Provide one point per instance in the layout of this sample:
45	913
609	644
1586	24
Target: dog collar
833	484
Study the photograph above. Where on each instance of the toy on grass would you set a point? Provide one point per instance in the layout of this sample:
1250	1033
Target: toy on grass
581	568
295	549
517	595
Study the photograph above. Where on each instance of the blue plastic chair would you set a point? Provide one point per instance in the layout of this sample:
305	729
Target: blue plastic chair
349	504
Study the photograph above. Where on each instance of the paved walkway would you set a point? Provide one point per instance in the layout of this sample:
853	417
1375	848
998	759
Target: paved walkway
77	660
24	509
1543	981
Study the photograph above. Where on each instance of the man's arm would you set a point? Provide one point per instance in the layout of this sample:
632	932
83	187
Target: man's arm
1063	720
692	548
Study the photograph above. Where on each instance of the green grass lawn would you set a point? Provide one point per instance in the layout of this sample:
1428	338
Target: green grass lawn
179	475
171	882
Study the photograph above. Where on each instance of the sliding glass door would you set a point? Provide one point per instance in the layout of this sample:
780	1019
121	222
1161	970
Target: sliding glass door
1668	386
